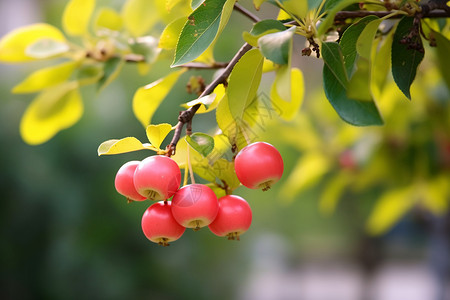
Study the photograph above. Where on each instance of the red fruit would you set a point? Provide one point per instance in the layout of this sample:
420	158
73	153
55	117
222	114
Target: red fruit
159	226
124	181
234	217
259	166
195	206
157	177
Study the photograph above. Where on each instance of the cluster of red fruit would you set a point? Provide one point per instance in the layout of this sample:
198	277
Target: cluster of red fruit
158	178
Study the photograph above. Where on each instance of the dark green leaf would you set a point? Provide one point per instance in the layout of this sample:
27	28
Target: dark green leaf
405	59
266	25
111	70
276	46
335	81
201	142
443	51
201	29
349	40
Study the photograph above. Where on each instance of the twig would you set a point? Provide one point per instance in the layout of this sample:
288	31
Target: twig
197	65
246	13
187	115
342	15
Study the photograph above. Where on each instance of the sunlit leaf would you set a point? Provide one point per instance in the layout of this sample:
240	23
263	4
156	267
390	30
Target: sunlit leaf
76	16
171	4
405	60
51	111
157	133
258	3
381	65
201	142
108	18
244	82
46	77
139	16
365	39
389	209
358	87
298	8
14	44
202	28
148	98
170	34
308	170
89	74
332	192
46	48
435	194
277	46
288	107
128	144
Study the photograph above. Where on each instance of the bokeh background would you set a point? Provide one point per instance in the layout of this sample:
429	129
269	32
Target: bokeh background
66	233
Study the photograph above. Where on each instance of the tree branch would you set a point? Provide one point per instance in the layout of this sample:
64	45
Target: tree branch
187	115
246	13
342	15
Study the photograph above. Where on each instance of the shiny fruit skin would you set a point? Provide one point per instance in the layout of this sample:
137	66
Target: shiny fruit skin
124	181
195	206
233	219
157	177
159	225
259	165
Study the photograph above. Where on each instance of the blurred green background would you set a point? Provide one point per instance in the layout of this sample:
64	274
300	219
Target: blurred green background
66	233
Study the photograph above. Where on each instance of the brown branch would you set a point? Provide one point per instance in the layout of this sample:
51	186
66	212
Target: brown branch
342	15
246	13
187	115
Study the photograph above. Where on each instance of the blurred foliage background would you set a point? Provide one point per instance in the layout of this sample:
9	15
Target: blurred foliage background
321	233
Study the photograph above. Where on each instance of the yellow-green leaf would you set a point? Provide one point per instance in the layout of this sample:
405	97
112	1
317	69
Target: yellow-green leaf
13	45
170	34
45	78
51	111
128	144
171	4
257	3
333	191
76	16
148	98
139	16
309	169
288	108
108	18
157	133
209	102
435	194
389	209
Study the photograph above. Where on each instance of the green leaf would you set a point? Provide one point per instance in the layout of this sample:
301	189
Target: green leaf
329	19
276	46
298	8
157	133
76	16
111	69
389	209
381	65
405	61
260	29
45	78
171	4
202	28
147	46
13	45
335	187
244	82
288	107
148	98
358	87
89	74
258	3
108	18
128	144
335	81
139	16
201	142
170	34
51	111
349	41
443	50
